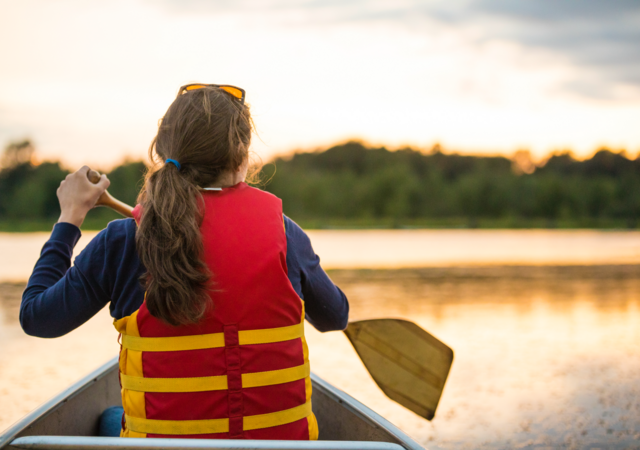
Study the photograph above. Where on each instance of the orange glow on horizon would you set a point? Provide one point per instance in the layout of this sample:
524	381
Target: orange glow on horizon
311	83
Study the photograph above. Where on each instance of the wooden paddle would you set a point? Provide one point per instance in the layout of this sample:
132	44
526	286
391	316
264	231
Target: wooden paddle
107	199
409	365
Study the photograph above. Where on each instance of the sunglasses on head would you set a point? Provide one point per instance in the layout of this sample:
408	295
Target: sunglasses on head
237	92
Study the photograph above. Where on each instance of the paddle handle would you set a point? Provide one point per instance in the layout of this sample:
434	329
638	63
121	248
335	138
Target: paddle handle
107	199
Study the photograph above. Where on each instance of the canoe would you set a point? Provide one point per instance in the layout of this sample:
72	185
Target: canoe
69	421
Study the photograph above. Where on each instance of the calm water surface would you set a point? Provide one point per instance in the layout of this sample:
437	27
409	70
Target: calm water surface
384	249
545	357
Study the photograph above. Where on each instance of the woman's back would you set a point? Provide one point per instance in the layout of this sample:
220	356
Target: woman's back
247	354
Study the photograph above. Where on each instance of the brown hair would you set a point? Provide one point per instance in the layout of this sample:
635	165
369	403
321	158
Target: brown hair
208	132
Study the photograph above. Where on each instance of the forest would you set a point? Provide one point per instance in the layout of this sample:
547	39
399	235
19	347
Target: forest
353	185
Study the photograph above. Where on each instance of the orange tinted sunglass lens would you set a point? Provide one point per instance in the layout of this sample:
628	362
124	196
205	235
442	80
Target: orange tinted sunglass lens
237	93
193	87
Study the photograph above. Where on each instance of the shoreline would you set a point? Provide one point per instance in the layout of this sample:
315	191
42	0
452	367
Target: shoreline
462	272
94	224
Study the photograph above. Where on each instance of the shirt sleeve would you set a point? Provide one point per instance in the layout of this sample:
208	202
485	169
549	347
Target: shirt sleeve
326	306
58	297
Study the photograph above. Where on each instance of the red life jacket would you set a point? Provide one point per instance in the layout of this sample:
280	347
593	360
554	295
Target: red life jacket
243	371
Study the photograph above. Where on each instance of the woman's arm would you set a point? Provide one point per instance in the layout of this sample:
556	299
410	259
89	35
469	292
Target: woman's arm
326	306
59	298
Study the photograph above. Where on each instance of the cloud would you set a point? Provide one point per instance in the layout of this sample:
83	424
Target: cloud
598	38
89	80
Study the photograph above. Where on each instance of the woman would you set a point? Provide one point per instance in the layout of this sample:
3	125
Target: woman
205	286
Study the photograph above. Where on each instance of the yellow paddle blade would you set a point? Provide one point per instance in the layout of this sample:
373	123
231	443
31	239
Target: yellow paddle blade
407	363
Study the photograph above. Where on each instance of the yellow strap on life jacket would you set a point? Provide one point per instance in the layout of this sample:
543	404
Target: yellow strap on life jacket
195	384
215	383
272	377
215	340
211	426
276	418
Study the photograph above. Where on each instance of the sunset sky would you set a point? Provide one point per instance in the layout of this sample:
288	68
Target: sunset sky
88	80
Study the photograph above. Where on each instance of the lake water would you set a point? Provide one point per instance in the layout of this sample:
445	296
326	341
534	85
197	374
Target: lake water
386	249
545	326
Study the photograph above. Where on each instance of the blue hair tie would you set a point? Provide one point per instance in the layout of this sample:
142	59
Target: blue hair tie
174	162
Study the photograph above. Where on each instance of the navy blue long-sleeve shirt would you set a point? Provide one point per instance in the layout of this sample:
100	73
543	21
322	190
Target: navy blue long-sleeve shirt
60	298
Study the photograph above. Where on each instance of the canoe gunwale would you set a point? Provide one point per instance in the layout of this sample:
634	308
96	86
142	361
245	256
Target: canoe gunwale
384	432
51	405
365	413
106	443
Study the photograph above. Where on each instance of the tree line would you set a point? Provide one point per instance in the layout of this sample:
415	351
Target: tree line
28	198
352	181
356	185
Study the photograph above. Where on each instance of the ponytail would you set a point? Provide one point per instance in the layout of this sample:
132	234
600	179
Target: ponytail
208	132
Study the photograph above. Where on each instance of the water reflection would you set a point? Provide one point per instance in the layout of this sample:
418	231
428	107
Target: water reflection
385	249
10	294
545	357
32	370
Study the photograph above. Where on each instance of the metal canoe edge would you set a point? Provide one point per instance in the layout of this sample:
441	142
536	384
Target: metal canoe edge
348	402
51	405
106	443
365	413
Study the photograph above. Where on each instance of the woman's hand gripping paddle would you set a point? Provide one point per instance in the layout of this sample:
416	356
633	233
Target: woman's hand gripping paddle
407	363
